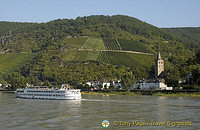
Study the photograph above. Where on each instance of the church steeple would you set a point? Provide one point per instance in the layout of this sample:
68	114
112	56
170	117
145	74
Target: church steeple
159	66
158	56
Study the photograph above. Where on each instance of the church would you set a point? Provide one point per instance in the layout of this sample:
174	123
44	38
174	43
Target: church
158	82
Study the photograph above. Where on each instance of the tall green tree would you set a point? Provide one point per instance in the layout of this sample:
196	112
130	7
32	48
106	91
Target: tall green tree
127	80
196	76
16	80
172	77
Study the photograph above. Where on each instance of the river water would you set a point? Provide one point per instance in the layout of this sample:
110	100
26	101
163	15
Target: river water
89	112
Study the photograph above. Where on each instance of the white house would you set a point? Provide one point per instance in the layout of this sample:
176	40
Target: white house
157	85
7	85
105	84
87	83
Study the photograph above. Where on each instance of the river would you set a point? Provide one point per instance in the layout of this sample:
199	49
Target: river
89	112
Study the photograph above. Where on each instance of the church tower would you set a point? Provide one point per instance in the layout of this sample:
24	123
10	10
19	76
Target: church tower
159	66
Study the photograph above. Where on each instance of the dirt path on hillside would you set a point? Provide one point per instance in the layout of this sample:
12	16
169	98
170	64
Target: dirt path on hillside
135	52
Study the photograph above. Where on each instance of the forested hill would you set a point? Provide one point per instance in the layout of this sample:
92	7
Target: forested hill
76	50
6	27
187	34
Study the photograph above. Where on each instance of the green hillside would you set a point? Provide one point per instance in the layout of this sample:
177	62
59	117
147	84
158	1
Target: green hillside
5	27
127	59
86	47
111	44
189	34
132	45
94	43
89	32
12	62
74	42
37	37
115	58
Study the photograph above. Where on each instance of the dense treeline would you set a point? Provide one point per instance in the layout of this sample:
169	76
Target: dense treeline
189	70
189	34
6	28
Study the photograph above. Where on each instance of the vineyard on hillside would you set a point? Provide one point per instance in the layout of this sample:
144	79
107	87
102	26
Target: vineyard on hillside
116	58
132	45
111	44
77	42
81	55
103	57
93	43
125	45
127	59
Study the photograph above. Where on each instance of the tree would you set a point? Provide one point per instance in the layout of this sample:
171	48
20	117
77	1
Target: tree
172	77
47	83
128	80
112	87
16	80
196	76
198	57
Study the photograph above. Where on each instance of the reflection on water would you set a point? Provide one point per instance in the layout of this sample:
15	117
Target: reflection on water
91	110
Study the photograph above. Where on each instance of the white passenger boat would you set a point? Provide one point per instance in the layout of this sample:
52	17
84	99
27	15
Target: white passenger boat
64	93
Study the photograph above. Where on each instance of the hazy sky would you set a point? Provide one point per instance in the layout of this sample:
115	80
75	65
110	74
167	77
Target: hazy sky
160	13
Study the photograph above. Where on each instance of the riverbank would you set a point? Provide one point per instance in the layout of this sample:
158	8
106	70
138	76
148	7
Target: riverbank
181	94
194	94
6	91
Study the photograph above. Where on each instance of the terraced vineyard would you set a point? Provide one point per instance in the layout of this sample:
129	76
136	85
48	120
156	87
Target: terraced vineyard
103	57
81	55
111	44
117	58
92	55
94	43
132	45
76	42
127	59
84	43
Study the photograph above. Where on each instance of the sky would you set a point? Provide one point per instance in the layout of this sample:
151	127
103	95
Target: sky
160	13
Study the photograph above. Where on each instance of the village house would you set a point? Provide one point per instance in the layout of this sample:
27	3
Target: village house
157	85
105	84
87	83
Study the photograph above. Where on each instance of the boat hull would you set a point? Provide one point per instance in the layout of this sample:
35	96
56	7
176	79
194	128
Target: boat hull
50	97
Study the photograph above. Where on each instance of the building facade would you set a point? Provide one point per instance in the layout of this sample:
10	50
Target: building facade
153	85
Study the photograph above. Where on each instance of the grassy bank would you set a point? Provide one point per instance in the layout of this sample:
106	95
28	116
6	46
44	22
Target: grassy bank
194	94
182	94
6	91
108	93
